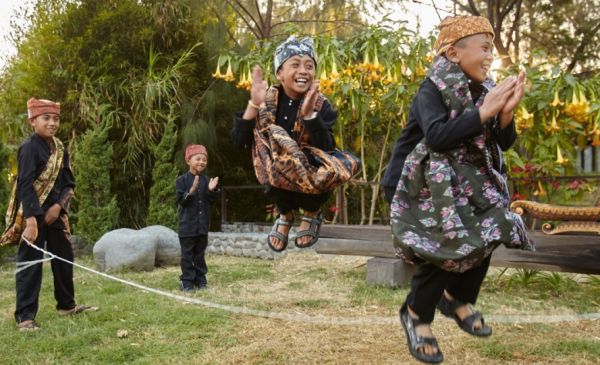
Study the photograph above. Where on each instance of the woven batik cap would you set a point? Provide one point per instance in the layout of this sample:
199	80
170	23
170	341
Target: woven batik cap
294	47
453	28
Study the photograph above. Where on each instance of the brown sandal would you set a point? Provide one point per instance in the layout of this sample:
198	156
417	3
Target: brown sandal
79	308
28	325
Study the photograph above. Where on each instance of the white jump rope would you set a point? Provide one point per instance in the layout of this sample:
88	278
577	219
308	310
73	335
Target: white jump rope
298	317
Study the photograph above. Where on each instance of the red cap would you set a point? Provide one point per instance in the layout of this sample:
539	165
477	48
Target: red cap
37	107
194	149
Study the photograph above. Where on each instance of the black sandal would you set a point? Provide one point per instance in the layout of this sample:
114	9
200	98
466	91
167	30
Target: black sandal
313	230
416	342
280	236
448	308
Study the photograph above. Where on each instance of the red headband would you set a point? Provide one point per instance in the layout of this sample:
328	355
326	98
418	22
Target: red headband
194	149
36	107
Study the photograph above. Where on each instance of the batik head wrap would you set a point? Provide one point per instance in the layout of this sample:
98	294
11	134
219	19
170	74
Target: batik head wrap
294	47
453	28
195	149
36	107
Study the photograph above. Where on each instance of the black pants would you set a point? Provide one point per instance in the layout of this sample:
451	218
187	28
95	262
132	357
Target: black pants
429	282
29	281
288	201
193	264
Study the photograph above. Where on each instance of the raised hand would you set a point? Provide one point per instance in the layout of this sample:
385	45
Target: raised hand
310	100
258	91
496	99
212	184
195	184
507	112
517	94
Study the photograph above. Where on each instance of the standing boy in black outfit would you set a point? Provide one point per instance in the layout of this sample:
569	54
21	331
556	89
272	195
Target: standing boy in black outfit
195	192
44	187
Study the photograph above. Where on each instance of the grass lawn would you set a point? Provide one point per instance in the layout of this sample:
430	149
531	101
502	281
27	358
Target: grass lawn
137	327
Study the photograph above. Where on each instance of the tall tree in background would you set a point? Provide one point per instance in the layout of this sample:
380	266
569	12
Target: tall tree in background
97	211
135	56
567	30
274	18
162	207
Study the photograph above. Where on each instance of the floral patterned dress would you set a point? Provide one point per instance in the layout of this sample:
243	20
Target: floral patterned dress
451	209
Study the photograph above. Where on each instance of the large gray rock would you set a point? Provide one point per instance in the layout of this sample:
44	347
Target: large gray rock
169	249
126	249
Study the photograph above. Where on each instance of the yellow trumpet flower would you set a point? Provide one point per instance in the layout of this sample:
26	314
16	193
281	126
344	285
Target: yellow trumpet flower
540	190
323	75
556	102
596	138
334	71
559	156
366	60
553	125
584	103
217	74
229	74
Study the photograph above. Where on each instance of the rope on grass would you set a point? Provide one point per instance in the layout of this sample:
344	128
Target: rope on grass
300	317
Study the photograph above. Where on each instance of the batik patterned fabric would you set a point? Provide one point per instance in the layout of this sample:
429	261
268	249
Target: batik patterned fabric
451	209
281	161
294	47
42	185
453	28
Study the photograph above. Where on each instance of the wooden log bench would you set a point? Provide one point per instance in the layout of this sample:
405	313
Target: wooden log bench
575	253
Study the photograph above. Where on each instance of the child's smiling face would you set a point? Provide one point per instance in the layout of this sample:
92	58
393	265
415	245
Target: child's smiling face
474	55
45	125
197	163
296	75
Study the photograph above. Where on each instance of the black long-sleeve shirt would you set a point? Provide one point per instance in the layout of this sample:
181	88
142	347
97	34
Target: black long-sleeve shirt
319	129
32	158
194	209
429	118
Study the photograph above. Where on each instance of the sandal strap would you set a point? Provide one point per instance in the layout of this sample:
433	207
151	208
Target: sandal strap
473	318
282	222
313	230
449	307
415	342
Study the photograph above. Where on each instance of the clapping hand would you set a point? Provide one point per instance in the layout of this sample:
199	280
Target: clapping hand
258	90
310	99
212	184
195	184
506	114
496	99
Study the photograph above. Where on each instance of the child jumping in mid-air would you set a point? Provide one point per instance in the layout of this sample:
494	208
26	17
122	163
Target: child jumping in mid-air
447	186
290	129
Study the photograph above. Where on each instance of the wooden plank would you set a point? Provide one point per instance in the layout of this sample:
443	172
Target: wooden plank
569	253
356	232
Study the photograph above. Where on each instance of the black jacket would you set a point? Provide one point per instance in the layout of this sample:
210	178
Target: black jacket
194	209
319	129
32	158
428	118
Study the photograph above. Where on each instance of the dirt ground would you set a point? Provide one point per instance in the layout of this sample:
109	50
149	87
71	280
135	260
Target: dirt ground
274	341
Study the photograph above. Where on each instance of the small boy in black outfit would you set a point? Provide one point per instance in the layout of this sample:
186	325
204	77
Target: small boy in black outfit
195	192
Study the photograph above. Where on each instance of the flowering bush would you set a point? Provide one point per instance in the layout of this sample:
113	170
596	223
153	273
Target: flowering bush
372	77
